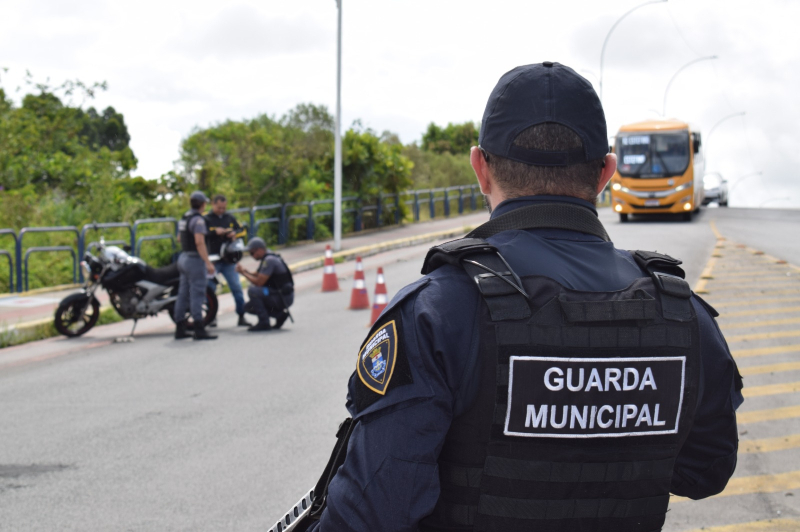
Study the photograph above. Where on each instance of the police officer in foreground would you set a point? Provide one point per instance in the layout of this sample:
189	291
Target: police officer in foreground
537	378
194	267
271	291
222	228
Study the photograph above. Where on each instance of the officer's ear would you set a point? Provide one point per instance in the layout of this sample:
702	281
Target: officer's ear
609	167
481	167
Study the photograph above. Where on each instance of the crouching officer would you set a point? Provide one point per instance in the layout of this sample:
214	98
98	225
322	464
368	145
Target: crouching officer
222	228
272	289
194	266
537	378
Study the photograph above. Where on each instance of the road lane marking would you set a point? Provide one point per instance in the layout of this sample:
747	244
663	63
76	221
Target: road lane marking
766	323
722	273
716	232
771	389
762	336
769	445
754	416
769	368
747	303
755	484
770	525
761	351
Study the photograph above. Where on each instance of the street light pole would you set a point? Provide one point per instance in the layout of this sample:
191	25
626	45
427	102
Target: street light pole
603	51
675	75
721	120
337	158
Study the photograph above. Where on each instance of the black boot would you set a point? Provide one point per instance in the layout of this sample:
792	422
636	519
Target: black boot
180	330
243	322
200	333
280	320
260	326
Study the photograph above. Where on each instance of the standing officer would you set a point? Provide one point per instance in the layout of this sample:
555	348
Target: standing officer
193	264
537	378
271	292
223	227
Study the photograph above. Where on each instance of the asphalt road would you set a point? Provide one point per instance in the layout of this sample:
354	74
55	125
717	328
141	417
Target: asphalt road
226	435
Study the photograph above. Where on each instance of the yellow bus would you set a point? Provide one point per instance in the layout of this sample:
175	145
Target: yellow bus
659	169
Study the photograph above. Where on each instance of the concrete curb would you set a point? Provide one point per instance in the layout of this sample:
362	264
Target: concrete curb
45	290
374	249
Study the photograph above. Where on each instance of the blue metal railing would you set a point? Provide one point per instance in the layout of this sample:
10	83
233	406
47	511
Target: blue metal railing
278	215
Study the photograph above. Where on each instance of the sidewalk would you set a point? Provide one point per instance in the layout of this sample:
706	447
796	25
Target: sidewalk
22	310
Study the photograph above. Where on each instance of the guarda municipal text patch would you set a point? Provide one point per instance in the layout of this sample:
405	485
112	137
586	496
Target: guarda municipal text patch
377	358
594	397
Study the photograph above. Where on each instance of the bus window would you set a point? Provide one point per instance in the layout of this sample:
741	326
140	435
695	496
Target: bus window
653	155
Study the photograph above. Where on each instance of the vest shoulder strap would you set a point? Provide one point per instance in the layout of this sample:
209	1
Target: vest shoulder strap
668	277
499	286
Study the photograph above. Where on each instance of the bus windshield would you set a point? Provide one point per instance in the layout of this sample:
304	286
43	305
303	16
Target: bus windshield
653	155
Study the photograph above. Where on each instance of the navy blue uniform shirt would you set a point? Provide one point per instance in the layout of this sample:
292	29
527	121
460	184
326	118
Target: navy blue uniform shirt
390	479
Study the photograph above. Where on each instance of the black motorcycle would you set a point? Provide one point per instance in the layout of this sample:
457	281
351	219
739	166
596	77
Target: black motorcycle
135	289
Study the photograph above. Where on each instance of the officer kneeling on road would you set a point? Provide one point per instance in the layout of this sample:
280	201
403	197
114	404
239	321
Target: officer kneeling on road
272	289
536	378
194	267
223	228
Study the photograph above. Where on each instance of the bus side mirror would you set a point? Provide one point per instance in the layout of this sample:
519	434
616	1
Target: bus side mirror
697	143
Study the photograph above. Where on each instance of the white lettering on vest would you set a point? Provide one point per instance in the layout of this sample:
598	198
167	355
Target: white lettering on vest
534	419
629	412
557	382
612	376
644	416
616	419
572	387
656	421
576	414
563	419
594	381
648	380
604	424
591	419
630	385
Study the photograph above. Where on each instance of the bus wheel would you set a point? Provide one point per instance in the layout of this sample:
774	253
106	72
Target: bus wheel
623	218
687	216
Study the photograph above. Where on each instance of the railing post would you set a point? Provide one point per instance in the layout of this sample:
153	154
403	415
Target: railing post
397	209
446	203
251	227
416	206
379	212
282	226
19	260
432	203
358	221
461	200
473	202
310	221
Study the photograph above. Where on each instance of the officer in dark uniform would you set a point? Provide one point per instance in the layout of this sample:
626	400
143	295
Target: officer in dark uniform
271	291
194	267
537	378
222	228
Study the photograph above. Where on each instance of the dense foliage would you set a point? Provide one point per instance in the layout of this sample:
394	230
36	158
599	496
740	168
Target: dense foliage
61	164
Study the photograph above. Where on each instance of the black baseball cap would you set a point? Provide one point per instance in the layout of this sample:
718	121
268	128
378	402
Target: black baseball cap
545	92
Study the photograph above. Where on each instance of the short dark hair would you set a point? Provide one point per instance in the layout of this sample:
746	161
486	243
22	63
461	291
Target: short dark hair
196	204
520	179
220	197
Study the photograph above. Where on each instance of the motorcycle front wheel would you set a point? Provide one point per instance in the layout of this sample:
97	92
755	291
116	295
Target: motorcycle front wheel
72	319
210	308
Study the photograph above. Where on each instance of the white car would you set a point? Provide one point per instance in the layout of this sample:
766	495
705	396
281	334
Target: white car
716	189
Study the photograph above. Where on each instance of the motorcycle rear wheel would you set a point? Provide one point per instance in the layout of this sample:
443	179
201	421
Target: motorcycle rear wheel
210	308
69	323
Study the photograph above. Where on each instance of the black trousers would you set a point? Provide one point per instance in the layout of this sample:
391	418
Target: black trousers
266	305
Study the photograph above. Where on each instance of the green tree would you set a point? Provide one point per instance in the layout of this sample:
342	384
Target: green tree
454	138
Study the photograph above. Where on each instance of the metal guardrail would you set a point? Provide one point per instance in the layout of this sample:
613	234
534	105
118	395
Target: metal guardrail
279	214
51	249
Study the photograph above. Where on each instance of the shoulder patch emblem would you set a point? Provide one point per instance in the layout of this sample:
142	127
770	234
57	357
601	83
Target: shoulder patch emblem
377	358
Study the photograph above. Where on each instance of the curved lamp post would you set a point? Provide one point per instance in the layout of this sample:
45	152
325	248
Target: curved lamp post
752	174
337	163
675	75
721	120
603	51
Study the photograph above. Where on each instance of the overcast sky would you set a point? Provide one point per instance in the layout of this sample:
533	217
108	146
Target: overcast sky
175	65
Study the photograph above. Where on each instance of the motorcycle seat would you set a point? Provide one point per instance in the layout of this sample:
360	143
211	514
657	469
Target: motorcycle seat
163	275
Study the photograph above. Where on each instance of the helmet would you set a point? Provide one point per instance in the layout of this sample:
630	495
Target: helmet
232	252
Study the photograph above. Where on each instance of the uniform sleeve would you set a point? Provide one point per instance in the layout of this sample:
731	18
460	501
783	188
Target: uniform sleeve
390	479
269	267
708	457
199	225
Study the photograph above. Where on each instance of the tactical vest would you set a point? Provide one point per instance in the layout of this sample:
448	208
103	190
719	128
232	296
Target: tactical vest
584	402
282	282
187	238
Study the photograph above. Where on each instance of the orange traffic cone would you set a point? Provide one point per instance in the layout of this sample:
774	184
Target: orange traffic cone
359	299
381	299
330	283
